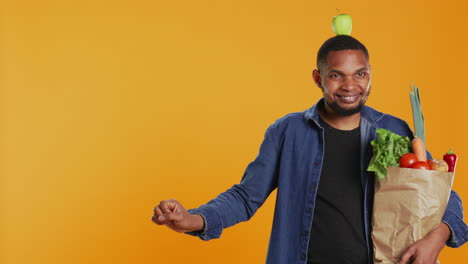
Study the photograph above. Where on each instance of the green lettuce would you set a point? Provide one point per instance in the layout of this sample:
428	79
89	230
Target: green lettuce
387	148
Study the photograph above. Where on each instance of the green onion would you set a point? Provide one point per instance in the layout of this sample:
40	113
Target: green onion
418	119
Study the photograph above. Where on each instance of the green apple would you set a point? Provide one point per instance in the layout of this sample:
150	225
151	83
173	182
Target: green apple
342	24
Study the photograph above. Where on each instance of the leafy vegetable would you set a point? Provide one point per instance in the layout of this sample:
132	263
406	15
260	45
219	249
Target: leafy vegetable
387	148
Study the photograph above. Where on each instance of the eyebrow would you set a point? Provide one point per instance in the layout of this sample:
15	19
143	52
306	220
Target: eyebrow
342	73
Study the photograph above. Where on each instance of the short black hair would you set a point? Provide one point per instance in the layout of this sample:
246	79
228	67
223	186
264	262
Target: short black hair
339	42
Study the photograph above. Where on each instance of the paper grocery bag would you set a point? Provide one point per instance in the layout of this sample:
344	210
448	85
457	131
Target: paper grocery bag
408	204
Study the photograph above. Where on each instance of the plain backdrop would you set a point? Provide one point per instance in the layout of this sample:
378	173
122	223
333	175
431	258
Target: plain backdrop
108	107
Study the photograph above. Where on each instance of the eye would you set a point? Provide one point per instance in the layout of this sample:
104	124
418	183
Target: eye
335	76
361	74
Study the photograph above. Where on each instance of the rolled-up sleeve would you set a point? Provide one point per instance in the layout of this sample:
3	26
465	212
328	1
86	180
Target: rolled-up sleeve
453	217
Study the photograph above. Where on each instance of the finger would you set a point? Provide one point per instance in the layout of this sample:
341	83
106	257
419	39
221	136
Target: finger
178	208
168	206
156	215
167	218
159	219
157	211
155	219
407	256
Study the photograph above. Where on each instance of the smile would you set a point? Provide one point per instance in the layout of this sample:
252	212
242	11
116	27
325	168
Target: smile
348	99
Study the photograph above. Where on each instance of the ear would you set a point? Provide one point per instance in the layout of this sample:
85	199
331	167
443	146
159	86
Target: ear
317	78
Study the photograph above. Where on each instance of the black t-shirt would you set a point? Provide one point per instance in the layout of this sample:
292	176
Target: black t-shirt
337	235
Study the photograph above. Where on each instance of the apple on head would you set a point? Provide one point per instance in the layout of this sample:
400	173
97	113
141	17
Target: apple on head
342	24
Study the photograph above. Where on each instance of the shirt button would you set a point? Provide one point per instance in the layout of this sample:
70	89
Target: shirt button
303	256
316	163
305	233
312	187
308	210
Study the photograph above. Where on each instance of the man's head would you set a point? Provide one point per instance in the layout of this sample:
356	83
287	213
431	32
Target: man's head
340	42
343	74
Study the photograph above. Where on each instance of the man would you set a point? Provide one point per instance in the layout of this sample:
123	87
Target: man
317	159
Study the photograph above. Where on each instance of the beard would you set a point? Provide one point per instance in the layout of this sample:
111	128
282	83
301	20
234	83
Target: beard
345	112
348	111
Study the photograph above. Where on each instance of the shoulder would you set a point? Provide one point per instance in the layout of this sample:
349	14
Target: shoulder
292	120
390	122
292	126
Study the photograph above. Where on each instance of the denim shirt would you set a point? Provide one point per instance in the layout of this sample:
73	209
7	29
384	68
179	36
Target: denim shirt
290	159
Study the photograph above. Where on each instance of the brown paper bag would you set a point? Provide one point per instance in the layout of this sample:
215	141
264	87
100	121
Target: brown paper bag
408	204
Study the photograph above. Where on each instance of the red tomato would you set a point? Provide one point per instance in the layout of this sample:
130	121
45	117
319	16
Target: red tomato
407	160
422	165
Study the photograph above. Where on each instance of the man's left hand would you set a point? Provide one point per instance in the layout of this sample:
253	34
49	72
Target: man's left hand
426	250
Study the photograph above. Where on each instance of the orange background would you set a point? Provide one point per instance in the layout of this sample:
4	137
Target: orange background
108	107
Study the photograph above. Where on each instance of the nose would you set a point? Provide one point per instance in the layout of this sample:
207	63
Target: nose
349	83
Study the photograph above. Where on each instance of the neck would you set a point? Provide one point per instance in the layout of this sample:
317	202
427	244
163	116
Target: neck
339	121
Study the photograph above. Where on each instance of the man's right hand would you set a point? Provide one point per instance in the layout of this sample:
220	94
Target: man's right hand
172	214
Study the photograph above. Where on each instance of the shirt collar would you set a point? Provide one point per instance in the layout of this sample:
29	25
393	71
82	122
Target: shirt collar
368	113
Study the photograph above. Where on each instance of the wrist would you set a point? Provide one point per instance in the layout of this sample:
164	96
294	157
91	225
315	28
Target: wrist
441	233
445	231
198	224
